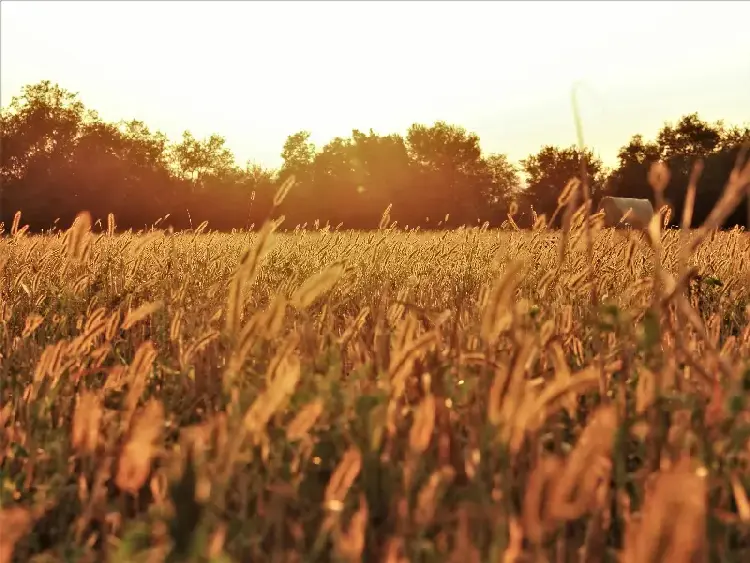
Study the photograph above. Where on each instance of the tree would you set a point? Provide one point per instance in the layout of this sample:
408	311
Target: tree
57	158
360	176
338	176
680	146
690	137
147	176
144	148
201	161
630	178
255	188
99	159
550	170
450	175
503	186
386	175
39	132
298	155
45	119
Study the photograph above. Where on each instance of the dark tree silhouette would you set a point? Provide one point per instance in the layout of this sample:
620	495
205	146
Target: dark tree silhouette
57	158
203	161
549	171
384	177
39	132
680	146
504	185
451	177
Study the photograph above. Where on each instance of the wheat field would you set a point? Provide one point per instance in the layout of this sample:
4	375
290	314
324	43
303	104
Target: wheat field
469	395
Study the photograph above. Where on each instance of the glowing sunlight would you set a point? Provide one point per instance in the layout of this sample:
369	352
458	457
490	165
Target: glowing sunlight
256	72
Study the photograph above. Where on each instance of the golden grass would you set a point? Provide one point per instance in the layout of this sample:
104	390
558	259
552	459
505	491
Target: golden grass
382	396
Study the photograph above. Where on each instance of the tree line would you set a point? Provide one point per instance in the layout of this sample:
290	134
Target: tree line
58	157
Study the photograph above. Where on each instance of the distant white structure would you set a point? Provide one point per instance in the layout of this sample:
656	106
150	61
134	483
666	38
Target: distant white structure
626	212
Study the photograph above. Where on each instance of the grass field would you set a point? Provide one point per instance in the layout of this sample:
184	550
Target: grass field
393	396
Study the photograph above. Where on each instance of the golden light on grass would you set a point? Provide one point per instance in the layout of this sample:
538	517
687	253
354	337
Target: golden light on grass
142	312
87	419
77	238
15	523
472	393
304	421
134	464
350	543
317	284
245	274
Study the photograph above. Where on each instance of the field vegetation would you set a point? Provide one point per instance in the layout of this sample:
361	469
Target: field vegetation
471	395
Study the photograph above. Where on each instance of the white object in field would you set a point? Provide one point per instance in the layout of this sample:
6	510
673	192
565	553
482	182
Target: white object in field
626	212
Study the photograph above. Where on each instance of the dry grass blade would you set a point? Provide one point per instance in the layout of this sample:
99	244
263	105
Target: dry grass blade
135	459
422	428
274	317
530	418
403	362
138	371
427	498
283	382
245	274
33	322
302	423
740	499
15	523
385	219
689	206
15	224
317	285
200	344
87	418
355	326
283	190
645	393
515	400
175	327
342	479
673	520
514	551
78	237
48	365
350	543
497	311
658	177
587	467
141	313
535	510
111	226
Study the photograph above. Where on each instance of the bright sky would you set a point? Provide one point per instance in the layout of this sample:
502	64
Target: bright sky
256	72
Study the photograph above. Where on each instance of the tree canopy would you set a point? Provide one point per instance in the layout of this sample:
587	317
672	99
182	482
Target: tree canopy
58	157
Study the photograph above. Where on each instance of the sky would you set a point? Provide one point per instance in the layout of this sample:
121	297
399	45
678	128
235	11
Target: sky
256	72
